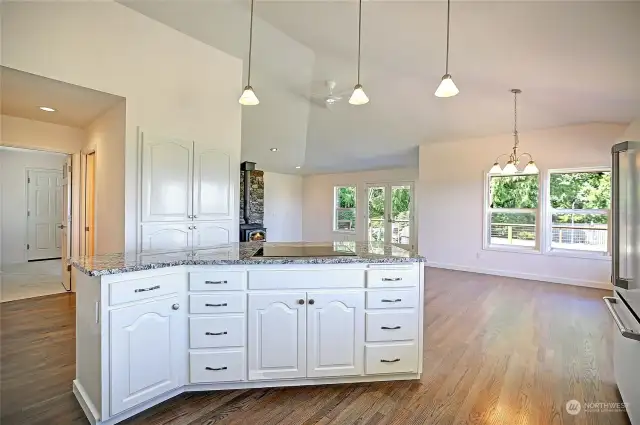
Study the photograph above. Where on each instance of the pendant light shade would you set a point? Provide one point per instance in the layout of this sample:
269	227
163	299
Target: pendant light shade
531	168
359	97
248	97
510	168
447	88
496	169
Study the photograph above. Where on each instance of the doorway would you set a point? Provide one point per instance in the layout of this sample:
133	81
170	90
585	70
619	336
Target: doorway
44	214
389	214
90	203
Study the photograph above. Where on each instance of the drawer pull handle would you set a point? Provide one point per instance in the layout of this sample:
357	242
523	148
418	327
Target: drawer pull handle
216	305
216	333
148	289
397	300
391	279
390	329
214	282
215	368
389	361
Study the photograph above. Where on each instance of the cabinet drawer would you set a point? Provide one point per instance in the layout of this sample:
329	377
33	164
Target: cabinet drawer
217	281
395	326
216	367
306	279
216	303
397	358
140	289
392	299
215	332
392	278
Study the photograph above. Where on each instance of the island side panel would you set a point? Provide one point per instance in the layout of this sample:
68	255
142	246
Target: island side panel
88	341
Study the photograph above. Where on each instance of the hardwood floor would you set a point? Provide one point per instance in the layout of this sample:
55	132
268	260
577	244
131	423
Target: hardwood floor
498	351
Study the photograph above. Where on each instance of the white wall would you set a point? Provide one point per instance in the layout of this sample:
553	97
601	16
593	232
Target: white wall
318	202
452	194
174	85
24	133
632	133
283	207
106	136
13	178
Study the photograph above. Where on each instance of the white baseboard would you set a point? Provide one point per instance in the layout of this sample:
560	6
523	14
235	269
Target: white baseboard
526	276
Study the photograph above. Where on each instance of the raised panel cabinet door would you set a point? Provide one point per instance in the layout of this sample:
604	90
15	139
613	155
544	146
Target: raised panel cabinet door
167	179
166	236
211	234
335	334
146	355
212	190
277	335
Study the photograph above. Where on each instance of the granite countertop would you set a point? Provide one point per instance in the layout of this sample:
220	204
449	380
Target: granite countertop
243	254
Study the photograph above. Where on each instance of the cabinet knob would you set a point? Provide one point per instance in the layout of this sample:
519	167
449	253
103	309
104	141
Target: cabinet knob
300	301
176	306
312	301
195	216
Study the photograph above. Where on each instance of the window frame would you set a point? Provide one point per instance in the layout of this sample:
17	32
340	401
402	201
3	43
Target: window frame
335	208
486	231
549	211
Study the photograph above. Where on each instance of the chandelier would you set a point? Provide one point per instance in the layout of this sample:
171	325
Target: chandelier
511	167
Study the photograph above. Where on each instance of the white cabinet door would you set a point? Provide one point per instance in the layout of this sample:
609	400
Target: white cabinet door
146	356
277	335
335	334
166	236
211	234
167	179
211	184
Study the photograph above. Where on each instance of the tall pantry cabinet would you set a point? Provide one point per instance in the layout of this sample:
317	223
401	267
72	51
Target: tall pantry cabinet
186	195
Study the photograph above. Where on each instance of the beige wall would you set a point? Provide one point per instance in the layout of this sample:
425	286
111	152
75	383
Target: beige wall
283	207
318	202
632	133
451	194
106	136
174	85
24	133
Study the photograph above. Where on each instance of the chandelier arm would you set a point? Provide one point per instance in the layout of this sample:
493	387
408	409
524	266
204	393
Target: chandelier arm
500	156
527	154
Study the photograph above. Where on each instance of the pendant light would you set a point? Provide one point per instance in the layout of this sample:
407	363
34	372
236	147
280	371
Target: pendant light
359	97
511	166
447	87
248	97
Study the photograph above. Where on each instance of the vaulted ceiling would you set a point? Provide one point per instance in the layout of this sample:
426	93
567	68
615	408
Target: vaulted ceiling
575	61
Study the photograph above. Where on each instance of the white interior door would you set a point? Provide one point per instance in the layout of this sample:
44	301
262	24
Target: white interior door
44	214
389	214
65	225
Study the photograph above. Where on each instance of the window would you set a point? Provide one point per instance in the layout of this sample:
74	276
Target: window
512	211
579	204
344	208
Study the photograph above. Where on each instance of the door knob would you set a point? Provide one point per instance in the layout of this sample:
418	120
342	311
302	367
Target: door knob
61	226
311	301
300	301
176	306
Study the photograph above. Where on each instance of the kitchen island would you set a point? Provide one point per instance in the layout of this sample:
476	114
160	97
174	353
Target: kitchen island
153	325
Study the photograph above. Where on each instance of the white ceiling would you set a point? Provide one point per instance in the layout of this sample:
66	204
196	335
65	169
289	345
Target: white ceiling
24	93
575	62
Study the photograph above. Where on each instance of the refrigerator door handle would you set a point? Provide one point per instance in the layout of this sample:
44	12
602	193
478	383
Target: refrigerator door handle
616	279
627	333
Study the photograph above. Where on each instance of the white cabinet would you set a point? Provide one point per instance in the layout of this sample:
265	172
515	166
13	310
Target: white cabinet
166	236
211	234
211	184
335	333
277	335
146	357
167	179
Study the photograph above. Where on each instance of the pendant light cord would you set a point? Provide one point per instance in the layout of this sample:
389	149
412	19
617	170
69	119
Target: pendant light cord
250	44
448	19
515	118
359	35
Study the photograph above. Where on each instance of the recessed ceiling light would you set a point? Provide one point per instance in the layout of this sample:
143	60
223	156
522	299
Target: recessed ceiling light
297	166
47	109
274	149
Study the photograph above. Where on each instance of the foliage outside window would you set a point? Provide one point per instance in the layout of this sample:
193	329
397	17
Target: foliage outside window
345	208
512	211
579	210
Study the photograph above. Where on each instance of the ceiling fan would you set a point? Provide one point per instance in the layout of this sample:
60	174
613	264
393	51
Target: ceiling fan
327	98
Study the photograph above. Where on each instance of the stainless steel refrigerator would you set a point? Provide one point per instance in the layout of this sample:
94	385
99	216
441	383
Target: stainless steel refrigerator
624	305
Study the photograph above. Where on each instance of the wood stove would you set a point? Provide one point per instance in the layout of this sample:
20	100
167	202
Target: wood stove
250	231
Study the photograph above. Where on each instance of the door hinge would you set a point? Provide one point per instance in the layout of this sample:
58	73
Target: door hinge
68	267
28	179
86	229
69	169
27	246
28	213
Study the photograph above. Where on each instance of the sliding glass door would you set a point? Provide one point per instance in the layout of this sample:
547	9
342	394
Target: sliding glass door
390	213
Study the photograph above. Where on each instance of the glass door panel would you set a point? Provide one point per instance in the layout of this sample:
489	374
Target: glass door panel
400	219
376	213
